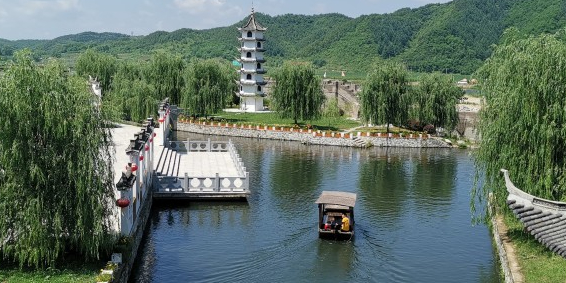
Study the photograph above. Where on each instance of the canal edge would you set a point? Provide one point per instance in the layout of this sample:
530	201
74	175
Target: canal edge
137	236
505	248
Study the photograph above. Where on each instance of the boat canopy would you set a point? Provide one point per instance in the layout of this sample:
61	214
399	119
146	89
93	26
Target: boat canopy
338	198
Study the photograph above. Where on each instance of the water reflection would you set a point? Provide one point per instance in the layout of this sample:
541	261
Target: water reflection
383	186
295	177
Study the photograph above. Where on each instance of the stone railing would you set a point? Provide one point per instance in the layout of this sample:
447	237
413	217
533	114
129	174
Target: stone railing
215	184
212	184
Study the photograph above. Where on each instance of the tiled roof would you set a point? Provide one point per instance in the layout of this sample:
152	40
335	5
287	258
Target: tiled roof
544	219
252	24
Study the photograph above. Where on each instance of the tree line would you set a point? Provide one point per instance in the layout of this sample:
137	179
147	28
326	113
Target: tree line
454	37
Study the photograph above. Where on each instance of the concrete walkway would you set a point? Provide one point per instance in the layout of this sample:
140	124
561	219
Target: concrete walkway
121	136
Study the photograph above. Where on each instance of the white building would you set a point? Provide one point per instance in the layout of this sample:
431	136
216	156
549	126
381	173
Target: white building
251	66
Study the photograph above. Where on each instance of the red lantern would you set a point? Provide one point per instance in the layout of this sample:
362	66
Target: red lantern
154	134
161	120
141	157
123	202
151	140
134	167
146	147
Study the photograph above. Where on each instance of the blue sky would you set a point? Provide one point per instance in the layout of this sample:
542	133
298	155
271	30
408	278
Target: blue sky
47	19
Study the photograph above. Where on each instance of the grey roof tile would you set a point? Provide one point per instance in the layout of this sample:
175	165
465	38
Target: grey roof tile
544	219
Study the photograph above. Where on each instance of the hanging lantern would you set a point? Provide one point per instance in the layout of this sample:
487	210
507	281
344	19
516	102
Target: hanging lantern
134	167
123	202
154	134
141	157
146	147
151	140
161	120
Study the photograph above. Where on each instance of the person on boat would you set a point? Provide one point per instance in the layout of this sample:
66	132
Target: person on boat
345	223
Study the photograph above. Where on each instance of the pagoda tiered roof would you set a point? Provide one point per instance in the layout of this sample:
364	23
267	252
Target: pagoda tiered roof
250	39
252	24
251	60
251	94
258	71
256	49
252	82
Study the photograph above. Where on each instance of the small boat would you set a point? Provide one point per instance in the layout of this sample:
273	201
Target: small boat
333	208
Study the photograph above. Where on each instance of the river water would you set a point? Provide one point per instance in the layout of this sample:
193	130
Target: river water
413	221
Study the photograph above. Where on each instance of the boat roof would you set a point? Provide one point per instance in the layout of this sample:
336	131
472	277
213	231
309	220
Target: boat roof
338	198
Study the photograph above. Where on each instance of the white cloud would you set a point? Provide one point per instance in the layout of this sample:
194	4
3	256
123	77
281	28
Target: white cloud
198	6
35	7
320	8
208	13
3	14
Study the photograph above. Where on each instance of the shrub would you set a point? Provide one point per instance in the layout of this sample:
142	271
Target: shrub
414	125
429	129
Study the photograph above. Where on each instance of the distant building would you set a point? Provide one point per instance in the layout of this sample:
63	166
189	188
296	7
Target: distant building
251	71
463	82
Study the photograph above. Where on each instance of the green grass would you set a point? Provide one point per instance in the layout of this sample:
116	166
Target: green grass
271	119
538	263
73	271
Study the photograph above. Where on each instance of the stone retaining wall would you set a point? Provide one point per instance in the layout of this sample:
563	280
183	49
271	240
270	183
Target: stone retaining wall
123	273
311	138
499	243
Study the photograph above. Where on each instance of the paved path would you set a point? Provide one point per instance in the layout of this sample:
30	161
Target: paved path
196	164
121	136
206	164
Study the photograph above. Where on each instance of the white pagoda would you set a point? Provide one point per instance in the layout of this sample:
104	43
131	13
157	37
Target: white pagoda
251	66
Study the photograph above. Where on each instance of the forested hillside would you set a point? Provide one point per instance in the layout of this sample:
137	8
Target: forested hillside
454	37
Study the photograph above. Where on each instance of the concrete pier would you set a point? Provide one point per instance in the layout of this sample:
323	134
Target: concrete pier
200	170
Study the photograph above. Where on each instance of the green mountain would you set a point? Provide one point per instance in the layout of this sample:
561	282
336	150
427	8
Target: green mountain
454	37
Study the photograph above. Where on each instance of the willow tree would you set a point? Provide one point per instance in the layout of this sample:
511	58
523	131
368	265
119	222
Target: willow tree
98	65
208	88
437	96
297	93
523	123
165	73
56	165
384	94
132	97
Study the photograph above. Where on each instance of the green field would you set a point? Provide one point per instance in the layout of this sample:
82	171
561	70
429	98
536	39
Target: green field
538	263
271	119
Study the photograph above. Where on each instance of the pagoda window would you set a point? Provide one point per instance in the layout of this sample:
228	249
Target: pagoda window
249	34
249	55
258	44
258	88
259	65
248	76
241	88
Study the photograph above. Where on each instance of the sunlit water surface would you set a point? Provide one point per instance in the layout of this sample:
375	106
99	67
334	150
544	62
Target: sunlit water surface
413	221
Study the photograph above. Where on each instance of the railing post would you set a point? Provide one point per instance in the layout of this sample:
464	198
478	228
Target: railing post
216	183
247	181
209	145
186	182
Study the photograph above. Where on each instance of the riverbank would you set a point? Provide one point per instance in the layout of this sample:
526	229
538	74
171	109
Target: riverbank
357	139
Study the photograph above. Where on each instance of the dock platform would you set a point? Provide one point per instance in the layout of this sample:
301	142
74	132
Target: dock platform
200	170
